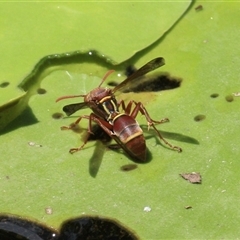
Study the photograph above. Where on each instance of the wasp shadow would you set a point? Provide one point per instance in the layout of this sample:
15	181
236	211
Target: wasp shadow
117	148
96	159
169	135
103	142
102	139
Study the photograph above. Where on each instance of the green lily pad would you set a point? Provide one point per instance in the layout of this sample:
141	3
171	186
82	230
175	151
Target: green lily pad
69	28
37	172
31	31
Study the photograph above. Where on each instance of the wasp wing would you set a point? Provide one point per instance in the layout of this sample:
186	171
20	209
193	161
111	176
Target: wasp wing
148	67
72	108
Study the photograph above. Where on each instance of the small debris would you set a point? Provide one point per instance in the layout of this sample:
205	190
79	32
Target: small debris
236	94
48	210
188	207
147	209
199	8
33	144
192	177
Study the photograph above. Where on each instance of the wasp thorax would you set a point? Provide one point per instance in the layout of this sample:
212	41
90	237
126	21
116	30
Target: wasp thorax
98	94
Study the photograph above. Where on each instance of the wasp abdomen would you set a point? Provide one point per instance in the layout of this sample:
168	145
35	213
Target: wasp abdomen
131	136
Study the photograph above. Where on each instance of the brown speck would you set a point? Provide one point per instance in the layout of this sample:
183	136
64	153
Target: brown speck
199	117
214	95
41	91
4	84
229	98
192	177
128	167
112	84
57	115
188	207
199	8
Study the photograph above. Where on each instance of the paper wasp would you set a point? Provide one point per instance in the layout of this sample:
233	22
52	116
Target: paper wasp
121	126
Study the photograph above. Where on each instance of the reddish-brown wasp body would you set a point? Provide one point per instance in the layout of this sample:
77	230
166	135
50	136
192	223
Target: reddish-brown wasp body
122	127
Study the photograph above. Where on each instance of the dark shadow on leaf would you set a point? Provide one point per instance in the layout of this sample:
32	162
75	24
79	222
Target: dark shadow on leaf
153	83
117	148
180	137
101	138
102	143
17	228
96	159
169	135
94	227
159	82
26	118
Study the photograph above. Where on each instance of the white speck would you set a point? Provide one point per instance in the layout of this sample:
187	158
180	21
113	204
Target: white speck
236	94
48	210
31	143
147	209
90	53
223	191
34	144
211	18
119	74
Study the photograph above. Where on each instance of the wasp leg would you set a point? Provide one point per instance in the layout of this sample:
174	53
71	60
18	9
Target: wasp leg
135	111
127	109
139	107
73	150
103	124
73	125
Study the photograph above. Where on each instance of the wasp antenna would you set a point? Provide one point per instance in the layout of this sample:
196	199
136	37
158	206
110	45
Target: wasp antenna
65	97
106	76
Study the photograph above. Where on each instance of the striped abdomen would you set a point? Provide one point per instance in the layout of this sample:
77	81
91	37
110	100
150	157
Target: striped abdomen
130	136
